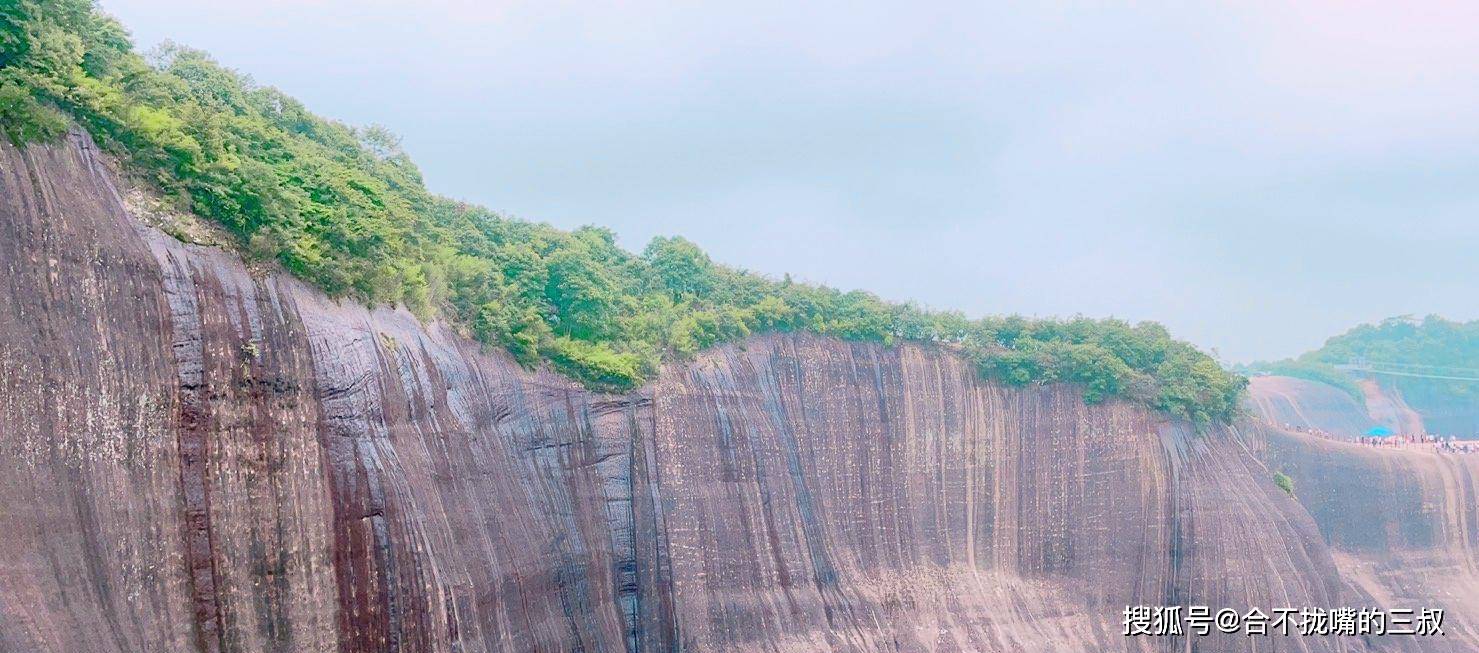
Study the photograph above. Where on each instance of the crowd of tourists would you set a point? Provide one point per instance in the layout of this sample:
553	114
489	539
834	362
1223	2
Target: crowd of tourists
1398	440
1451	445
1445	444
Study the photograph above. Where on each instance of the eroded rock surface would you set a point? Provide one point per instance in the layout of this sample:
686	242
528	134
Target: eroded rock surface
1402	524
1299	404
197	458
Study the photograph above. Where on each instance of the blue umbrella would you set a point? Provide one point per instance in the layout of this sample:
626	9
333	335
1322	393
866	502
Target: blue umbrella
1379	431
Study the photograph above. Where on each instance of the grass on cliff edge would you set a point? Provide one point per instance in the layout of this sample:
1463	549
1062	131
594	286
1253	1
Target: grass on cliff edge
345	209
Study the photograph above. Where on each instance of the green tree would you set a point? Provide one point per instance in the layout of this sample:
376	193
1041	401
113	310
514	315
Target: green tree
683	268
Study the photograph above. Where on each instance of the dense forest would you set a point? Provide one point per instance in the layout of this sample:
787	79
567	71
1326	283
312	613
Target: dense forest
1425	349
345	209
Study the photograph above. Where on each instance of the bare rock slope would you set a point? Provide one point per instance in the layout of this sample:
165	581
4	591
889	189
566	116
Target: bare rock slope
1402	523
1298	405
197	458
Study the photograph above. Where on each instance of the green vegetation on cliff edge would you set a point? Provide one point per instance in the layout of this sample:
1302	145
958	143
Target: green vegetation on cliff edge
1428	349
346	210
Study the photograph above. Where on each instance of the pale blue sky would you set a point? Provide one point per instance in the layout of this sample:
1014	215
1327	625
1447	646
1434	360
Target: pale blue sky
1255	178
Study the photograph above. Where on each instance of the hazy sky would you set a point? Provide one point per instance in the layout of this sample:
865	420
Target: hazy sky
1256	178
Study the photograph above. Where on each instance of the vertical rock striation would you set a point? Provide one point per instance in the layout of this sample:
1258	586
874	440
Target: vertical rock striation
1402	525
1299	404
198	458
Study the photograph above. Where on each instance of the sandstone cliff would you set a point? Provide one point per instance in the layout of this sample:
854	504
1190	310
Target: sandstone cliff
1402	524
198	458
1298	404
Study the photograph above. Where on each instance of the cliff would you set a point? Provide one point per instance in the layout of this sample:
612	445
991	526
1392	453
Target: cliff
1402	525
197	457
1433	402
1299	404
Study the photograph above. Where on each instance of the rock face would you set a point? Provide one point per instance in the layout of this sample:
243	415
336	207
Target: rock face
1298	404
198	458
1415	407
1402	525
1387	406
847	497
1437	408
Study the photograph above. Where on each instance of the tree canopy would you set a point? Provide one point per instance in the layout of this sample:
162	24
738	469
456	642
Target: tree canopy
346	209
1423	350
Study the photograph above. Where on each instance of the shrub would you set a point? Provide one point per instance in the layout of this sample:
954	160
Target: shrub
1284	482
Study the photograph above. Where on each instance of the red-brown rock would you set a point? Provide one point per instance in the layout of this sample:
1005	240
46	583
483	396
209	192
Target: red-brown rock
198	458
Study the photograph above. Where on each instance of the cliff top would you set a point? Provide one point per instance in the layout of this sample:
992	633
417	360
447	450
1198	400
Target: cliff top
345	209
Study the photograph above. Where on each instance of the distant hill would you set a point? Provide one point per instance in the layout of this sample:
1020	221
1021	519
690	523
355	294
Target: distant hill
1432	363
